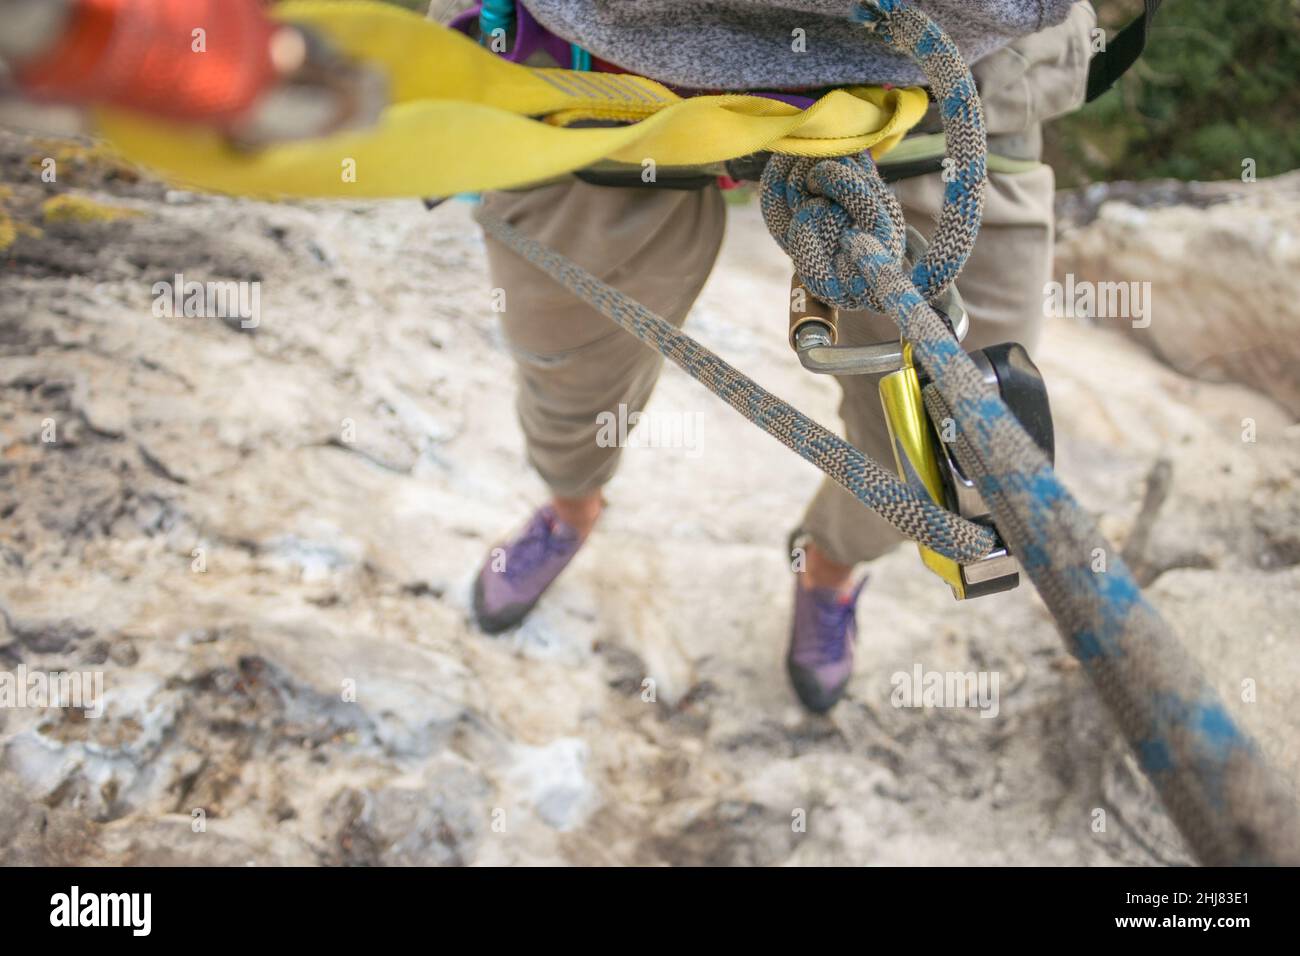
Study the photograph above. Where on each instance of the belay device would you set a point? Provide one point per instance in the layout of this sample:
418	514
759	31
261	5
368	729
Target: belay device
922	447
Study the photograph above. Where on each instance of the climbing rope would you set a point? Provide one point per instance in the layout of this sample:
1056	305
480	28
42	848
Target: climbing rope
914	515
845	232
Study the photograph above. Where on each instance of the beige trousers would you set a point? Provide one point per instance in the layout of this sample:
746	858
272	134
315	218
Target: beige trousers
659	245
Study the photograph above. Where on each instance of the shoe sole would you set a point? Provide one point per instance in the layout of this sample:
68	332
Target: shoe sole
499	623
811	694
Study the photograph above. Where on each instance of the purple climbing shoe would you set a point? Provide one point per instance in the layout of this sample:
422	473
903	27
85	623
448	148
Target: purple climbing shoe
822	636
515	575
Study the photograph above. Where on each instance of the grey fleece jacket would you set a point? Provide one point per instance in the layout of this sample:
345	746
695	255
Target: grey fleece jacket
751	44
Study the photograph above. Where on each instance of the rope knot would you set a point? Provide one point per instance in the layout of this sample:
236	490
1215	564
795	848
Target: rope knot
838	222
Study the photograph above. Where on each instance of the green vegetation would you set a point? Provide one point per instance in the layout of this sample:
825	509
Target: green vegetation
1219	84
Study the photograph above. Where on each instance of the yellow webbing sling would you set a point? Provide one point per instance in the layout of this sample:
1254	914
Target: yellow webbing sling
461	119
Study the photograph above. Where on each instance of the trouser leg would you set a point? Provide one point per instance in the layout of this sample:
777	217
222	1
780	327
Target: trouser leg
656	245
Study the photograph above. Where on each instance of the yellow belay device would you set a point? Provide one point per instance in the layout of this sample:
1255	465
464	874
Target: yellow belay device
922	447
923	454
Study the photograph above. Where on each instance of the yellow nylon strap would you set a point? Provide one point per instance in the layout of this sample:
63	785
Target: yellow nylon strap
461	119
